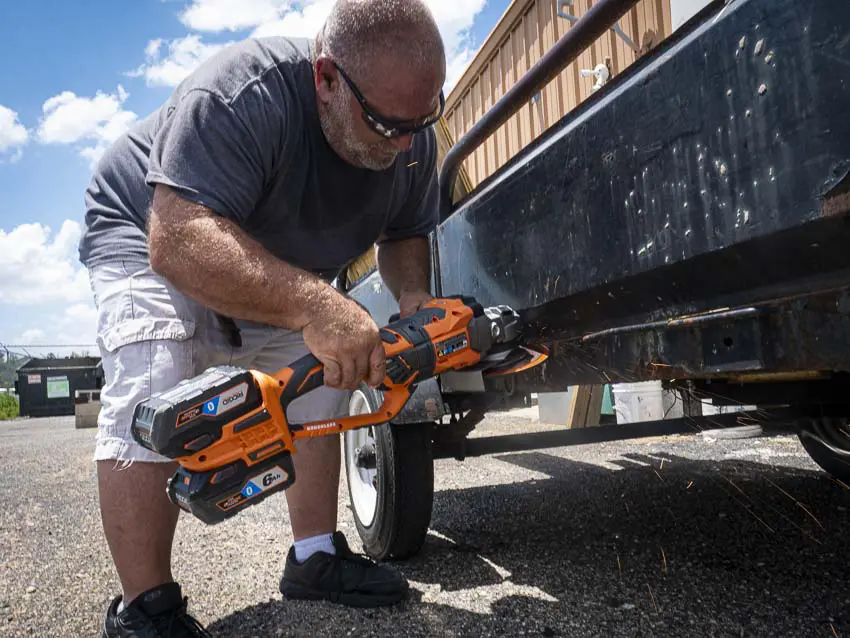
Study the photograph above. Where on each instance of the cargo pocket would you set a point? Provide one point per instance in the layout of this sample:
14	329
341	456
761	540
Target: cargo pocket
158	350
147	329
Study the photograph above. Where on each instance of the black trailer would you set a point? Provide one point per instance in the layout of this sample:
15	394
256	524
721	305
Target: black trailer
688	222
47	387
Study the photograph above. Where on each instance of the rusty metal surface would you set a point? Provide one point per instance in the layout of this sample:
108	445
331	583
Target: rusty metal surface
803	338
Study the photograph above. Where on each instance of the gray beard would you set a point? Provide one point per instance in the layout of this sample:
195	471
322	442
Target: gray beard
337	122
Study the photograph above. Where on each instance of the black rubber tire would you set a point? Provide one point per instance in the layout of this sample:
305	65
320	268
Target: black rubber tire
405	468
834	464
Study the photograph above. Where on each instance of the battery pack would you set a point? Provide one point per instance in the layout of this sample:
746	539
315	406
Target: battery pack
217	495
189	417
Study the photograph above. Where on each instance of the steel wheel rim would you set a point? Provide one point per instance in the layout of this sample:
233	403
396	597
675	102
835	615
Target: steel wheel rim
361	481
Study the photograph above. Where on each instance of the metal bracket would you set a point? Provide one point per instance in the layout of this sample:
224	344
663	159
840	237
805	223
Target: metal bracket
615	27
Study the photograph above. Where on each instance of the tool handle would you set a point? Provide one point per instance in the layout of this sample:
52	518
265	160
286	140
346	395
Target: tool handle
307	373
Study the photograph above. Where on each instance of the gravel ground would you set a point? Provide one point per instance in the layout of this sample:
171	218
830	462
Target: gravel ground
655	537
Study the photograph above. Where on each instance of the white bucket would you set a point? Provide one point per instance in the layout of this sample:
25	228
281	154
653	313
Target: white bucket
634	402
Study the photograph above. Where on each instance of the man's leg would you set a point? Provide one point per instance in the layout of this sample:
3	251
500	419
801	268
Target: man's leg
320	565
151	338
139	523
312	499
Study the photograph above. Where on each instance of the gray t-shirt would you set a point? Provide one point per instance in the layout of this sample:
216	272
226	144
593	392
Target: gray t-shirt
241	135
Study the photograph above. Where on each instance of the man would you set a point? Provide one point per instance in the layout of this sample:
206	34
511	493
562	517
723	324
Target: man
214	229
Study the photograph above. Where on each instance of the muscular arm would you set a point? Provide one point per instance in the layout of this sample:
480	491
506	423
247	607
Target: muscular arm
405	265
211	260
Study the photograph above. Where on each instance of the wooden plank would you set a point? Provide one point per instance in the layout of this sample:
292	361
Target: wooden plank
477	106
517	71
666	25
586	406
498	91
554	91
490	145
583	61
521	66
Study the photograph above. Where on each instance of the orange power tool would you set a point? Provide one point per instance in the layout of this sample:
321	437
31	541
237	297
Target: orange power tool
227	427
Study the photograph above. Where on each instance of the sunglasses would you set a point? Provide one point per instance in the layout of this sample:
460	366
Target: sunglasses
391	128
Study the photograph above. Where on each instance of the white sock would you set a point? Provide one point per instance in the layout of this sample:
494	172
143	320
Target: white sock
306	547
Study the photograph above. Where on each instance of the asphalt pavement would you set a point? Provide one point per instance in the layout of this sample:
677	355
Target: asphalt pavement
674	536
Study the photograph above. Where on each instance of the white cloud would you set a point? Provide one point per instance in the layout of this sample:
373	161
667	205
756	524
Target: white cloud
299	18
54	325
95	121
231	15
299	23
37	267
183	56
13	134
31	335
44	289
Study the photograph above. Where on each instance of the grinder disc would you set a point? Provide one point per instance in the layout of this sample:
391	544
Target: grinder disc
517	359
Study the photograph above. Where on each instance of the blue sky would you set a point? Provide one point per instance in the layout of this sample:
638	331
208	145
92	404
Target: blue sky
71	83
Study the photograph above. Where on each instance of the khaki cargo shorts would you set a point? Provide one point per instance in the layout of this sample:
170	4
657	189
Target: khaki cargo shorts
151	336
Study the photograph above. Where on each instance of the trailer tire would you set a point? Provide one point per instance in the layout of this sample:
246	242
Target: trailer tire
395	525
827	441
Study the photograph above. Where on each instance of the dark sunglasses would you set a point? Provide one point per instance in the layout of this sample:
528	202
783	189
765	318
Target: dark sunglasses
391	128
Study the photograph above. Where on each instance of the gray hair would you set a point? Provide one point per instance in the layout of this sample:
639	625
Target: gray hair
358	30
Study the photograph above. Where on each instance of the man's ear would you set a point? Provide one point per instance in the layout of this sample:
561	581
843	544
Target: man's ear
325	78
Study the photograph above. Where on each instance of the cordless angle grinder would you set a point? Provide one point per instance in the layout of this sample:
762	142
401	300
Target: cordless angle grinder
227	427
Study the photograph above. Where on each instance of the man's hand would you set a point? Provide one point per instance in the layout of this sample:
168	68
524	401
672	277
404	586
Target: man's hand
347	341
410	302
405	267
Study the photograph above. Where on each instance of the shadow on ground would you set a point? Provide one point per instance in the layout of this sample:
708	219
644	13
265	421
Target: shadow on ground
663	546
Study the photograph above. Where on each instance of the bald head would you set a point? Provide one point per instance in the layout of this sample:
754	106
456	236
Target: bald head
365	35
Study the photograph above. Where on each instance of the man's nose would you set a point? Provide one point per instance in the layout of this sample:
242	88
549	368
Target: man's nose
402	142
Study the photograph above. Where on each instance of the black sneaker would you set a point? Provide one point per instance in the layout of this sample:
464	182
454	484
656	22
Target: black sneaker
157	613
344	578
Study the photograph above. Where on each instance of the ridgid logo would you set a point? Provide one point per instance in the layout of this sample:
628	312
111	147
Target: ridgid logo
227	400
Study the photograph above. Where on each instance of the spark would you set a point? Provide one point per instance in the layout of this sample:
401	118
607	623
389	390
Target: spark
652	598
412	164
659	476
664	560
834	633
747	508
619	567
689	485
798	503
800	529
